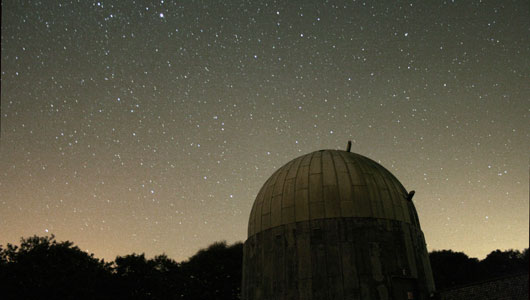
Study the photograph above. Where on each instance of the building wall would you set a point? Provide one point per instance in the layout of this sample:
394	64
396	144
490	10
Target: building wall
340	258
506	288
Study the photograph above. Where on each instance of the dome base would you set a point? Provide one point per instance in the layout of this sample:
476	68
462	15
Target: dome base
339	258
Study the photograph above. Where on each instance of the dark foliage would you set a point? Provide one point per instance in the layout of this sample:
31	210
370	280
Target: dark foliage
453	268
456	268
139	278
214	273
42	268
501	263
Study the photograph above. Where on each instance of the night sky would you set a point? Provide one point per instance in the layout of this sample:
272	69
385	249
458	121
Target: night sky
132	127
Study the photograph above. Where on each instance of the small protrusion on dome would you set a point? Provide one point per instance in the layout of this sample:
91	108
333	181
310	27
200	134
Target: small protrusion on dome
348	149
410	195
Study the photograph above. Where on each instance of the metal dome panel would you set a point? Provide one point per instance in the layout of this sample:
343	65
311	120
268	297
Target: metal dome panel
329	184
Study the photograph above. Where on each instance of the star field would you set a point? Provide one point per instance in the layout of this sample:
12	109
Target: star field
133	127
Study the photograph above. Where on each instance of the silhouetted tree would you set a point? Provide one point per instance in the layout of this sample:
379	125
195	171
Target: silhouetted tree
524	258
214	273
453	268
500	263
170	277
139	278
42	268
456	268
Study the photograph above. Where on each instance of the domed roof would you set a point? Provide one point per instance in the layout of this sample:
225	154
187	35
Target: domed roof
329	184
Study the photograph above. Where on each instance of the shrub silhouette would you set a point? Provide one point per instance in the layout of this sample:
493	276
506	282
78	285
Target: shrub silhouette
456	268
214	273
139	278
42	268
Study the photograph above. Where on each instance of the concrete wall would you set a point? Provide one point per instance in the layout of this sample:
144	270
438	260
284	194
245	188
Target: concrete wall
340	258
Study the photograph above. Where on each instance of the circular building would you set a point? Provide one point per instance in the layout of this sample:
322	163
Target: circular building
334	225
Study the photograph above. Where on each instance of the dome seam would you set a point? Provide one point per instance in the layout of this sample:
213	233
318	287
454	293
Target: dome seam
412	224
294	186
283	189
340	252
308	186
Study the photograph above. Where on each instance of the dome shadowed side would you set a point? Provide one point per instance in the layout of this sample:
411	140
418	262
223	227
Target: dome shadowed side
329	184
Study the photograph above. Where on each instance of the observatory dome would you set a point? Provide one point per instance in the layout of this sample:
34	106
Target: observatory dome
334	225
330	184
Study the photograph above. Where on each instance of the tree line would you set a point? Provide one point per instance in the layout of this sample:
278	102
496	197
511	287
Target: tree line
43	268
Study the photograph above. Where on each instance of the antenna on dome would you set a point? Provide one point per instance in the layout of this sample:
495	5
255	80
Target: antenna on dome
349	146
410	195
